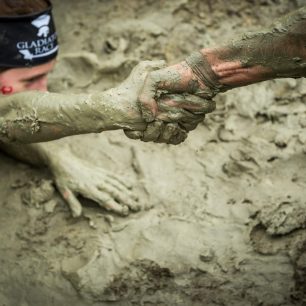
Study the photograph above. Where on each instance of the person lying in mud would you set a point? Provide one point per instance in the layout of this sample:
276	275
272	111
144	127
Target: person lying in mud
28	113
277	52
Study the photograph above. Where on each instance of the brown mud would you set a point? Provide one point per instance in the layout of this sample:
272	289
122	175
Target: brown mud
224	214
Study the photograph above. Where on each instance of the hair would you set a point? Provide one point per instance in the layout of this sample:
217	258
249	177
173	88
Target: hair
19	8
22	7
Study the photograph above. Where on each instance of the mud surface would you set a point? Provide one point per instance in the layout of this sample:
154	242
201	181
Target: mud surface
223	219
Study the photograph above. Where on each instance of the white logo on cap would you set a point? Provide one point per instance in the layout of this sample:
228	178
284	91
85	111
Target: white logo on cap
42	23
41	47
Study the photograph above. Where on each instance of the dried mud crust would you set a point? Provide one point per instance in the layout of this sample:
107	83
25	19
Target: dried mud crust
222	219
147	283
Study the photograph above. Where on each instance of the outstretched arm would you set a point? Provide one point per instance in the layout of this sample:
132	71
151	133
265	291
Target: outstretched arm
36	117
277	52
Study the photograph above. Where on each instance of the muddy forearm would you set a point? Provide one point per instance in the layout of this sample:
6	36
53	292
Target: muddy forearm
37	154
36	117
273	53
28	153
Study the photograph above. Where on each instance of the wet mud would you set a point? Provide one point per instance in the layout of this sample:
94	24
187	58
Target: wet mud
223	215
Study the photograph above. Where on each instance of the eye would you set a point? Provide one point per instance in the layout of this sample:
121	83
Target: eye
35	78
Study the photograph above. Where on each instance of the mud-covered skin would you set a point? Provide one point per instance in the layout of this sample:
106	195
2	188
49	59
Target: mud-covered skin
160	132
203	71
178	78
35	117
277	52
74	176
191	107
181	112
195	242
171	109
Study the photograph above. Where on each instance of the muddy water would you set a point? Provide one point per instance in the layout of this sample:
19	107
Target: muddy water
223	219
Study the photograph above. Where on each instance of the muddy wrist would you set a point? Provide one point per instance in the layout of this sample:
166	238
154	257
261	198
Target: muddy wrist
52	154
275	52
38	154
116	111
202	69
231	68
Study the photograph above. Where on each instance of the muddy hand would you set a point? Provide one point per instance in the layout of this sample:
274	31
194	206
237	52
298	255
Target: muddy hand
160	132
180	112
193	76
74	177
166	129
176	116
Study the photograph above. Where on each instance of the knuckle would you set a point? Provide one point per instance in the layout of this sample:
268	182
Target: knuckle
153	76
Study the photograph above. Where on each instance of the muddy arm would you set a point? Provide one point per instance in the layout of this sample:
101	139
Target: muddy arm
74	176
278	52
36	117
24	152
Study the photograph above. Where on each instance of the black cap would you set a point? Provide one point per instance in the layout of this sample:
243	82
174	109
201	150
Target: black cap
27	40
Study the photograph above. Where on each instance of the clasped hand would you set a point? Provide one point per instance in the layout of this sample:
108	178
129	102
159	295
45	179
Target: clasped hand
174	111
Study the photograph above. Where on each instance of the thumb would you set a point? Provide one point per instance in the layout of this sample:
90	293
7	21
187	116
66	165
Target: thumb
189	102
147	102
133	134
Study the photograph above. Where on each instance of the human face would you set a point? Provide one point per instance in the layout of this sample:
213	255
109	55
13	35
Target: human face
23	79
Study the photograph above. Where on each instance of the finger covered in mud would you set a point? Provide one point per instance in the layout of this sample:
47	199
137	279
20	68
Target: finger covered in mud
79	178
190	126
192	103
121	193
114	195
147	66
169	133
71	199
147	103
153	131
173	134
161	132
133	134
172	114
173	121
143	68
168	78
106	200
165	78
